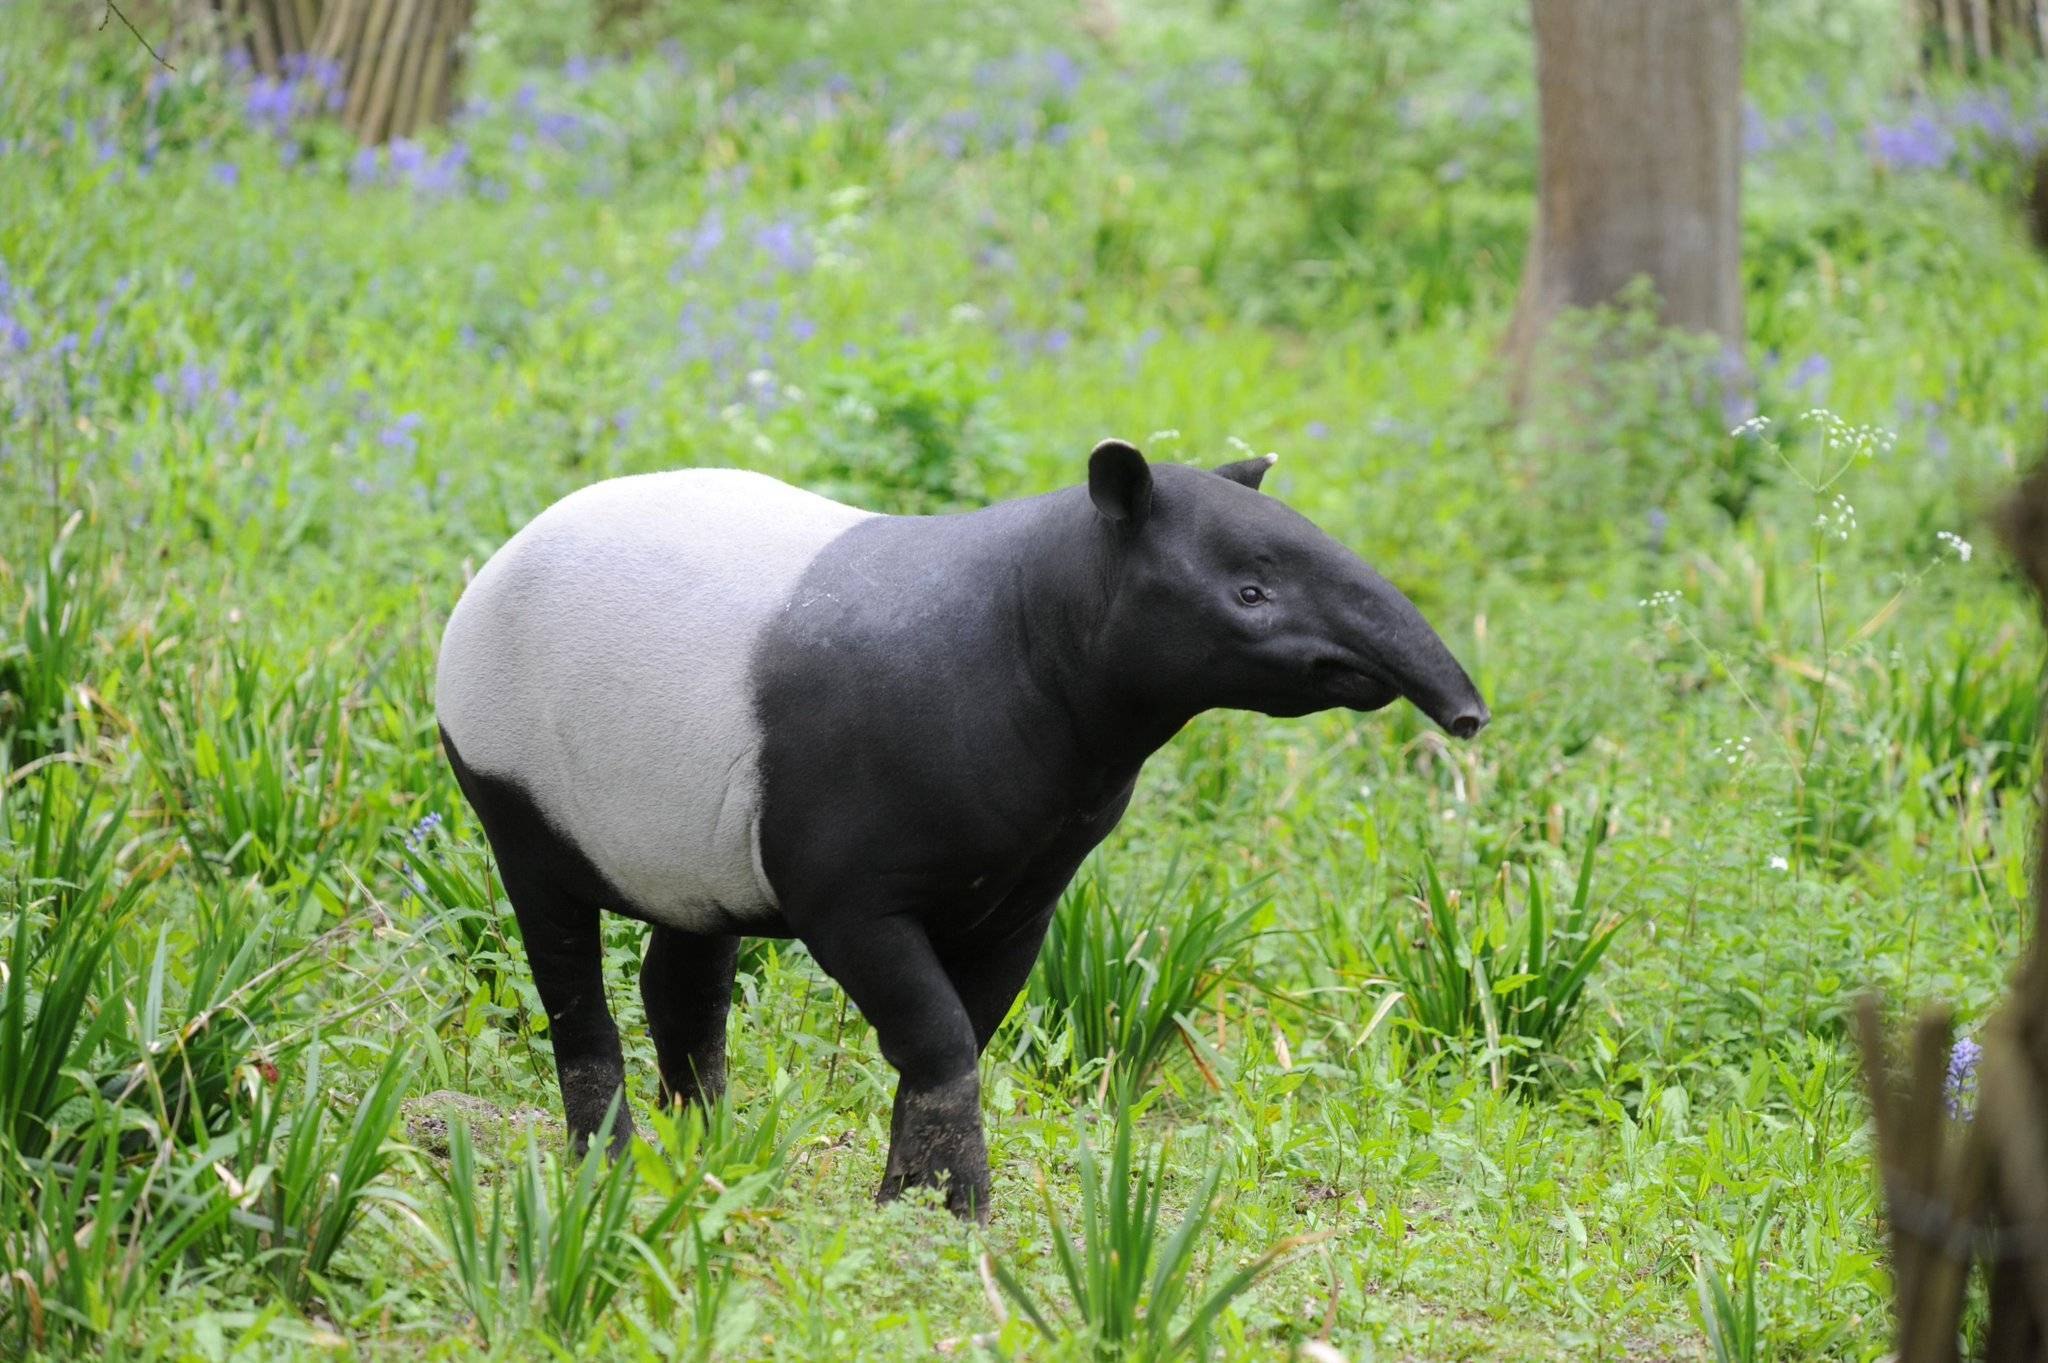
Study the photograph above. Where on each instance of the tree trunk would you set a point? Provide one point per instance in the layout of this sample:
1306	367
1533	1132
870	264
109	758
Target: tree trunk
1640	111
1977	34
395	64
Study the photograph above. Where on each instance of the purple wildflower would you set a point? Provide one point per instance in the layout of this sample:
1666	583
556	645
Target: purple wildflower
364	168
227	174
1811	372
1920	143
407	157
1961	1087
401	434
442	174
783	242
422	831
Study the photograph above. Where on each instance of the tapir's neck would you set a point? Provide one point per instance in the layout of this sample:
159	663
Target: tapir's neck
1051	565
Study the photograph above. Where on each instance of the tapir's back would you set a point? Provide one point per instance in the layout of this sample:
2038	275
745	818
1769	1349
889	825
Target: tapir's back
600	661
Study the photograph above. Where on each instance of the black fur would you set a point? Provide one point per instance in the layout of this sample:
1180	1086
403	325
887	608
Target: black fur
959	710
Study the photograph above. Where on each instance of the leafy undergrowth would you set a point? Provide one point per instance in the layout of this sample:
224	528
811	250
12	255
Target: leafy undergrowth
1525	1048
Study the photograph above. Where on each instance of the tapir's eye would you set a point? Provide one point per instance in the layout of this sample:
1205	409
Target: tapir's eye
1251	596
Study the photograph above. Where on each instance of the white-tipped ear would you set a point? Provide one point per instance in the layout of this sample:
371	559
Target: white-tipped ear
1120	482
1249	471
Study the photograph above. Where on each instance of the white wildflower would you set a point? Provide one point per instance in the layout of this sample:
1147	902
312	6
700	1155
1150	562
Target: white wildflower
1838	520
1780	864
1956	545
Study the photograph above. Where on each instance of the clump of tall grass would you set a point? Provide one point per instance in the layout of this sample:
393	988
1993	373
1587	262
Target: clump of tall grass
551	1244
255	768
1727	1306
310	1183
88	1244
44	648
715	1159
69	900
1511	987
1134	1280
453	882
1117	980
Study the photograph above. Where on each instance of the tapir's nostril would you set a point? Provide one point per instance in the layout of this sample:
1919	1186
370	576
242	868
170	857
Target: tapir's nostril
1466	723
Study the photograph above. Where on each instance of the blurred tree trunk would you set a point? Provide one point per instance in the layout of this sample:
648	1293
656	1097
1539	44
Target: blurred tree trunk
1640	112
401	59
1974	34
394	64
271	30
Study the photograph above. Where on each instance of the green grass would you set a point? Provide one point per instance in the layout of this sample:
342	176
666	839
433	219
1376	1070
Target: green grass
273	1078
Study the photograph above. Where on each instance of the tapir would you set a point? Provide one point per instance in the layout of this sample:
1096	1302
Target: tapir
728	707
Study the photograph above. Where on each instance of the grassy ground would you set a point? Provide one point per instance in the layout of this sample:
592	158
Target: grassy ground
271	1080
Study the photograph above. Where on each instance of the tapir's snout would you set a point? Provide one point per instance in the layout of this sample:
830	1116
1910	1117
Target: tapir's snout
1469	720
1447	695
1415	658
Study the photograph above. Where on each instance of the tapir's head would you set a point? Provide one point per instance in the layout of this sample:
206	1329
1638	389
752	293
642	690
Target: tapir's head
1223	596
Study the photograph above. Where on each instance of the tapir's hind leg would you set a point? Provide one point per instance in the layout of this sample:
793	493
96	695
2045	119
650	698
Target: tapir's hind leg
555	894
686	983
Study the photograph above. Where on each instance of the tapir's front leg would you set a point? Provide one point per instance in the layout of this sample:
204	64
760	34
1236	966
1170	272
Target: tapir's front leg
887	966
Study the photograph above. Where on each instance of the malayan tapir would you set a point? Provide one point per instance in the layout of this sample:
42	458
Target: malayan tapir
728	707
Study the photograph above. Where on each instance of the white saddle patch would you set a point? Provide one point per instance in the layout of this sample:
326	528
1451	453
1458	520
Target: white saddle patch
600	660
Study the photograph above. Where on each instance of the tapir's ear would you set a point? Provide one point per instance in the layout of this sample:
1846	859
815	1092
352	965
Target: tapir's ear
1249	471
1120	482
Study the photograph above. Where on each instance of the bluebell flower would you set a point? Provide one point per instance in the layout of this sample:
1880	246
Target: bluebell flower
402	433
407	157
196	382
783	242
1961	1085
1062	71
1756	130
1810	372
269	103
442	174
364	168
560	127
227	174
1919	143
1317	430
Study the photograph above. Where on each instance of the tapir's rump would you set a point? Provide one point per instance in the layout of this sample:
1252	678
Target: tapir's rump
600	661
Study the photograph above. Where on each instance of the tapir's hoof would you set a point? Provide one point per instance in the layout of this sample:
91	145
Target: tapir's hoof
966	1197
935	1141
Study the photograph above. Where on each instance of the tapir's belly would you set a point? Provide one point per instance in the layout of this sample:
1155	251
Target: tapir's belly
602	661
